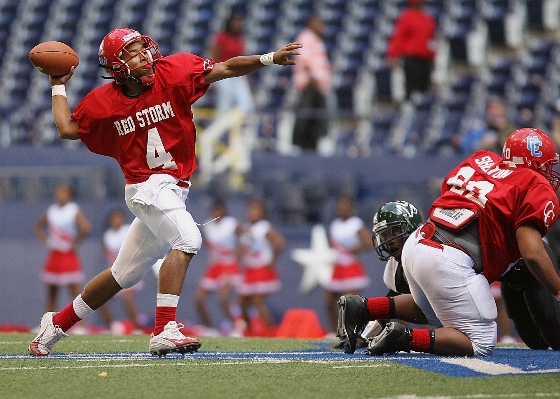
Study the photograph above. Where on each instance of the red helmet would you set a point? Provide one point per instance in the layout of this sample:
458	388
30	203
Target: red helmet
532	148
114	45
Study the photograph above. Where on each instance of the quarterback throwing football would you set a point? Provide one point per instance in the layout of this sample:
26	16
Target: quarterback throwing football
143	119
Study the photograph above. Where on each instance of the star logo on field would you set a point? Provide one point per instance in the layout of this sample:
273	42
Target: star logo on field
317	261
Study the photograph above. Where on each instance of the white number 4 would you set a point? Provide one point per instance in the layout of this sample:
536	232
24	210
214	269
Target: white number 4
156	155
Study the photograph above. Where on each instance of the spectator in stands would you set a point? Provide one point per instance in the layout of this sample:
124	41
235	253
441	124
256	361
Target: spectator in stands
412	43
61	228
555	127
224	45
489	134
348	236
312	80
260	247
220	237
113	238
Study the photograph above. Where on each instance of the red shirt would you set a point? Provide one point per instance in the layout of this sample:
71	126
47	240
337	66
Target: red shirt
228	46
154	132
505	198
413	35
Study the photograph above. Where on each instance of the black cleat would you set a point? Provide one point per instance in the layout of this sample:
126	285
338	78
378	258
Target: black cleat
189	348
395	337
353	315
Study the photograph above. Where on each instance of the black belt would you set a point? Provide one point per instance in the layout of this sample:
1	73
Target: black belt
466	239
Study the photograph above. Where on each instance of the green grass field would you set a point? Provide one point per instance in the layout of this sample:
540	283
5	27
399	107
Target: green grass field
105	366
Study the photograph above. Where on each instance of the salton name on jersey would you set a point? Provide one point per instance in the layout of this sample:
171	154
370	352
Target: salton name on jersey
488	166
146	117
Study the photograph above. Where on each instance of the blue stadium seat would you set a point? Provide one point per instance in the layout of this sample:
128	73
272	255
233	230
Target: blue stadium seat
534	13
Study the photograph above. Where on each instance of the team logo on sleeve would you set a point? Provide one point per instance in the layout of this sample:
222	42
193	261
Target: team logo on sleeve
549	214
208	65
534	144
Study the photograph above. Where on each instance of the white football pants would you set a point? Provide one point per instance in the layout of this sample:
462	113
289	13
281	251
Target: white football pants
156	229
445	286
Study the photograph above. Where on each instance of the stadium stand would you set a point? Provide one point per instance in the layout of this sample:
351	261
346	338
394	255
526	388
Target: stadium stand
356	39
374	123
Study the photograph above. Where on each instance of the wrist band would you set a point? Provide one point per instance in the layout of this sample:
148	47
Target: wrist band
58	90
267	59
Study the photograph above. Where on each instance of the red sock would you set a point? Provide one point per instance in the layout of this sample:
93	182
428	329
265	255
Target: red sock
66	318
421	340
164	314
379	308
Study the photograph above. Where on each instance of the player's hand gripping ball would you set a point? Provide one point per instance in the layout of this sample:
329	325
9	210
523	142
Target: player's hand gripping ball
53	58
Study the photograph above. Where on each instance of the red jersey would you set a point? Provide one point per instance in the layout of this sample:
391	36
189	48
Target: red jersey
413	35
151	133
505	198
228	46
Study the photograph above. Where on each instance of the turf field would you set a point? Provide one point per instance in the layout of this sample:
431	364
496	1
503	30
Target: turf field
105	366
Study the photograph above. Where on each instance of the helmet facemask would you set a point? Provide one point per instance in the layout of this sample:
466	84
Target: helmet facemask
386	239
547	170
392	225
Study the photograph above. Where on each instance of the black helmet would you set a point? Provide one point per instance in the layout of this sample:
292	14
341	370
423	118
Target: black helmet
393	220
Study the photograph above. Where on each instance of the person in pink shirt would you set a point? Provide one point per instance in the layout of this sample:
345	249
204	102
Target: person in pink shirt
312	80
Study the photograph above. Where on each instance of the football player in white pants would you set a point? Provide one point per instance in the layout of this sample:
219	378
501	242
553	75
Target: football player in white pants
143	119
492	211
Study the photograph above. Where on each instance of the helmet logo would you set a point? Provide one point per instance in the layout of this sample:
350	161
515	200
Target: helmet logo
130	36
534	144
406	209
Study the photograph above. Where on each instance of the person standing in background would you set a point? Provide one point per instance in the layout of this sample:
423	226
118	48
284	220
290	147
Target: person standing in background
260	247
113	238
224	45
348	236
312	80
61	228
488	134
222	274
412	41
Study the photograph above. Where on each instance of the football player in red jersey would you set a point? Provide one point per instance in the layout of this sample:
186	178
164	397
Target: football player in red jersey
143	119
492	211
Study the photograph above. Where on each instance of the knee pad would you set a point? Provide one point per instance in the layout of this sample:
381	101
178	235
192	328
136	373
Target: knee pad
128	276
189	243
483	338
483	350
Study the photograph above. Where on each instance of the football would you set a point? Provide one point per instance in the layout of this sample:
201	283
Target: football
53	58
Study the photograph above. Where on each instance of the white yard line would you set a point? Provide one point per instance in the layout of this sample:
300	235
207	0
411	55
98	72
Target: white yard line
491	368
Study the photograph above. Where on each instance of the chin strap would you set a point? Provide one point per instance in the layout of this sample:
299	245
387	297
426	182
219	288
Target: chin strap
142	81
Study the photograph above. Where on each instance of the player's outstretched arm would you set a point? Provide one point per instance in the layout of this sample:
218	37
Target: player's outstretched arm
67	127
245	64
